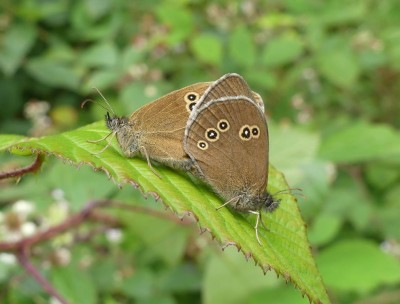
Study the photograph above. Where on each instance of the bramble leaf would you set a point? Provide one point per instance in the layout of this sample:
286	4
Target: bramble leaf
284	248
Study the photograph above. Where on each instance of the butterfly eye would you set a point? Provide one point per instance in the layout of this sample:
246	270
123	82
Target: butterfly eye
245	132
223	125
201	144
255	132
212	134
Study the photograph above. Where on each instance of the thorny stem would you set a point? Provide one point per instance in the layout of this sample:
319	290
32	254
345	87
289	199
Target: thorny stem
31	168
23	260
22	247
73	221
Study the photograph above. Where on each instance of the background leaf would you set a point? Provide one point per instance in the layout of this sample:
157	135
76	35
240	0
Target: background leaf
16	43
282	50
207	48
241	47
54	73
74	284
361	142
353	255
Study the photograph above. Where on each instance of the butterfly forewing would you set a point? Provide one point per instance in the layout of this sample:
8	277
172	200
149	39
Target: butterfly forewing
168	111
161	123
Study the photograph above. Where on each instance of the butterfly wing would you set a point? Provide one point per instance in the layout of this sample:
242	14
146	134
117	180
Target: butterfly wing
160	125
228	142
231	84
166	110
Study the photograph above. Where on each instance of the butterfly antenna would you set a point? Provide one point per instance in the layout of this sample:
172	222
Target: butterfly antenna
293	191
105	100
96	103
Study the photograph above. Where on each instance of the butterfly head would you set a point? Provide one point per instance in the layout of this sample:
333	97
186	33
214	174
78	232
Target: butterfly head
115	123
247	201
127	137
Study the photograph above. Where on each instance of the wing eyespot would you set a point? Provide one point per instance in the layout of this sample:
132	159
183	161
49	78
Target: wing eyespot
255	131
223	125
211	134
202	145
245	133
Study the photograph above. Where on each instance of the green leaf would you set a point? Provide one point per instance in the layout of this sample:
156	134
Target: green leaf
391	39
178	19
338	13
389	214
98	8
275	20
207	48
7	265
284	246
53	73
184	277
133	96
102	79
304	147
338	64
158	234
74	284
141	285
357	265
282	50
104	54
270	295
7	141
227	279
15	44
361	141
324	229
381	175
241	47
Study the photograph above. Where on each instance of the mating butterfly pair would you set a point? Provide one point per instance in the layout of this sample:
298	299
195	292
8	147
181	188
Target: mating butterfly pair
217	131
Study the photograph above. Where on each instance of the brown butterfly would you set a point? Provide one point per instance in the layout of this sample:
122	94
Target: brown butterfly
227	139
155	131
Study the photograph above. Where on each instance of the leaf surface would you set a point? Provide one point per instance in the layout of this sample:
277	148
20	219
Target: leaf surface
285	247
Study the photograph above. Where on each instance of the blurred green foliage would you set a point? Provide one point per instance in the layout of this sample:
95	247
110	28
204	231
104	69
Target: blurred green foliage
329	76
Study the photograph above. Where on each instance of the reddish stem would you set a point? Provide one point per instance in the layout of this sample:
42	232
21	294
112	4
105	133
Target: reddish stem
72	221
23	259
31	168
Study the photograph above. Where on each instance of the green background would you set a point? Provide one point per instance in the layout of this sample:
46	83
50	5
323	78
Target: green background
329	74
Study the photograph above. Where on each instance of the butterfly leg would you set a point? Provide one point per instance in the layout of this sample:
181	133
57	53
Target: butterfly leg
257	222
99	140
262	222
235	199
148	162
